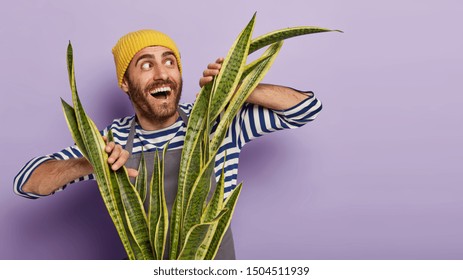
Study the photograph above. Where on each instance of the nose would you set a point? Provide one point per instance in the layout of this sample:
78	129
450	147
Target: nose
160	73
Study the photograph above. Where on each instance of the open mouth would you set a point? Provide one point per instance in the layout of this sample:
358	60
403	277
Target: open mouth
161	93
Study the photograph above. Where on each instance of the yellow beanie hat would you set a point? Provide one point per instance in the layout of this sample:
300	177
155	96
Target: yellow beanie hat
131	43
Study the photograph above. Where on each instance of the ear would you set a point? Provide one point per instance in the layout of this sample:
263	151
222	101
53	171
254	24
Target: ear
125	85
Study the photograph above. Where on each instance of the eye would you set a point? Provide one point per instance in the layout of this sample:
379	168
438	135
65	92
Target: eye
169	62
146	66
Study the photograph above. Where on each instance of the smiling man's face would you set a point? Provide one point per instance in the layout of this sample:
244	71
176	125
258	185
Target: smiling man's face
154	84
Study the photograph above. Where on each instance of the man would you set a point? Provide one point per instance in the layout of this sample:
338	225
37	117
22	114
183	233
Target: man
149	71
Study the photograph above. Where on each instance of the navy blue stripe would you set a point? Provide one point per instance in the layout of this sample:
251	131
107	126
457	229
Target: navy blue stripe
57	156
252	123
228	168
231	177
68	154
33	162
76	152
313	113
304	109
262	120
158	145
170	132
233	130
120	129
20	171
245	134
229	189
272	121
283	124
225	147
215	125
229	157
122	122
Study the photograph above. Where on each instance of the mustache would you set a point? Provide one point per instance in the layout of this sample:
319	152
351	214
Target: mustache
160	83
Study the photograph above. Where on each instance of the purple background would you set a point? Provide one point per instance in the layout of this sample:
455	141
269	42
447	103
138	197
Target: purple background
376	176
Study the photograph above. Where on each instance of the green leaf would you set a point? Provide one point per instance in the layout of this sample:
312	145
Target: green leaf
141	180
248	85
190	165
251	66
212	211
198	197
196	236
135	214
71	120
163	223
134	251
232	68
223	223
215	204
158	215
283	34
91	141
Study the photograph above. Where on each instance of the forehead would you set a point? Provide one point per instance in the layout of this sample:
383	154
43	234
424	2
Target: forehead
156	51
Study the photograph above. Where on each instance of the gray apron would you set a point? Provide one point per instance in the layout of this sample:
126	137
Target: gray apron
171	169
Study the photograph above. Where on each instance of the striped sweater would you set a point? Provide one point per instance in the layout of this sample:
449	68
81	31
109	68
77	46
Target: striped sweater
252	121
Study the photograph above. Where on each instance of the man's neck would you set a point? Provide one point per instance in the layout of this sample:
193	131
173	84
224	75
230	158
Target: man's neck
149	124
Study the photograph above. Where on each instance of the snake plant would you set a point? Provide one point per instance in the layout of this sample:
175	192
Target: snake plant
197	225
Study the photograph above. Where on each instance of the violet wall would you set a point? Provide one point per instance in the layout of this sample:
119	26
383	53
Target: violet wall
376	176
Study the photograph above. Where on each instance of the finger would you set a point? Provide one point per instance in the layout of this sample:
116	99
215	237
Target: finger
132	172
210	72
215	66
121	160
109	147
115	153
220	60
203	81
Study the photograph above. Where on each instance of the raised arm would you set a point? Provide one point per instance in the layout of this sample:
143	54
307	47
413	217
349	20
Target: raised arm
269	96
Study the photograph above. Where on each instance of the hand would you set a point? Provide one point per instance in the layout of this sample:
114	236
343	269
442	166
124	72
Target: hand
212	70
118	157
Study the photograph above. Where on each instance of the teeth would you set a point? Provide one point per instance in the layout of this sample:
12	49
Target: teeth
162	89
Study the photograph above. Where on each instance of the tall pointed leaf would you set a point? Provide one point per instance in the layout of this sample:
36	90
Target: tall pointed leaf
154	209
135	214
211	211
190	165
215	204
141	180
283	34
232	67
71	120
91	141
249	83
163	223
198	197
223	223
158	216
195	237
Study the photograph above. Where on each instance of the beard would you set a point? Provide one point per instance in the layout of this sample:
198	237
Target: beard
141	99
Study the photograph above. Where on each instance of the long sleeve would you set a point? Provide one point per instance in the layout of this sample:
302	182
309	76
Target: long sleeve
254	121
25	173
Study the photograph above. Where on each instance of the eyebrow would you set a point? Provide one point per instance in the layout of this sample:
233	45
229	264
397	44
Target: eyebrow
151	56
143	57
